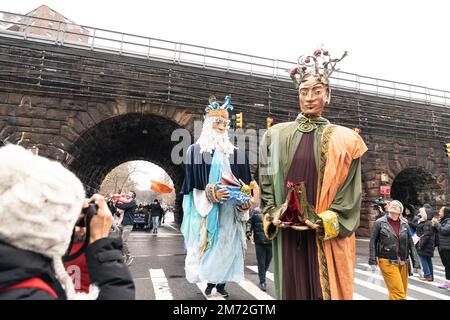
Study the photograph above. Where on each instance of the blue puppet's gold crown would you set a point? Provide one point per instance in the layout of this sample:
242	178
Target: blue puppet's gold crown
216	110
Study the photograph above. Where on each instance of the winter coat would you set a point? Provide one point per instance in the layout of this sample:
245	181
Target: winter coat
156	210
443	233
384	242
128	215
425	246
255	225
105	266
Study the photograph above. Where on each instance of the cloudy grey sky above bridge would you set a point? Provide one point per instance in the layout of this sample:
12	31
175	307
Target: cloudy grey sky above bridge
402	40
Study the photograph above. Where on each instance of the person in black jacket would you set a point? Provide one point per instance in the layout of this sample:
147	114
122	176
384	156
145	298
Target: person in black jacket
156	212
391	245
40	203
127	224
442	227
425	244
263	246
410	215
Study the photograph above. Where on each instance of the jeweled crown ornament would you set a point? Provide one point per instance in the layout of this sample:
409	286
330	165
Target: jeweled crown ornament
214	109
310	65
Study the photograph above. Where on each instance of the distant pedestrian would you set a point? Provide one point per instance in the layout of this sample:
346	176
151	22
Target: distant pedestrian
410	215
442	227
127	222
155	212
391	245
425	244
263	246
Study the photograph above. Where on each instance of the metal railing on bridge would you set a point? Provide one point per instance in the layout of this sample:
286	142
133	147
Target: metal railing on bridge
67	33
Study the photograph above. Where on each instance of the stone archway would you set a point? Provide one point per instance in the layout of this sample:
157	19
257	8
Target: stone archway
125	138
416	186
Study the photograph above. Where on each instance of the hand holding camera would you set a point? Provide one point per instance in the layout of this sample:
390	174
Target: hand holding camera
101	217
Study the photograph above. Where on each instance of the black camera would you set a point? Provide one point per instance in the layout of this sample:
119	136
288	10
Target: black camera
379	203
87	214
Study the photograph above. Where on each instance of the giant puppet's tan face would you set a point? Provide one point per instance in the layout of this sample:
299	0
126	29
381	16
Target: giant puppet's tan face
220	124
314	95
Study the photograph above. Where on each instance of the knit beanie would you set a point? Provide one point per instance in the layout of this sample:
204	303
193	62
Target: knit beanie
399	204
40	201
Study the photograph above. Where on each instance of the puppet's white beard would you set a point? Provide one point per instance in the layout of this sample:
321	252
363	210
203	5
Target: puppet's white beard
210	139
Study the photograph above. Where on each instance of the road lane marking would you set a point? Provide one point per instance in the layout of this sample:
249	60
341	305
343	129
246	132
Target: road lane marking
376	287
160	285
169	225
254	290
410	286
357	296
431	283
269	275
439	268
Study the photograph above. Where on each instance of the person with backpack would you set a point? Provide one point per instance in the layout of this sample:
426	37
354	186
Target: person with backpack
40	204
442	227
425	244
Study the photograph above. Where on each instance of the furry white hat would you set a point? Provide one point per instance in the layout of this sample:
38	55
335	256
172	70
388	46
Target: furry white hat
40	201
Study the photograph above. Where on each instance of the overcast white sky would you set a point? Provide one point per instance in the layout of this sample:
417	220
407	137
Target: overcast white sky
404	41
147	171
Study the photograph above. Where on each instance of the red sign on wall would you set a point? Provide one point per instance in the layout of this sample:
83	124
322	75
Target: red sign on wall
385	190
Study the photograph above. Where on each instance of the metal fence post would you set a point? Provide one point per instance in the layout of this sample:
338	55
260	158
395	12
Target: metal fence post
26	28
149	46
204	58
121	43
93	39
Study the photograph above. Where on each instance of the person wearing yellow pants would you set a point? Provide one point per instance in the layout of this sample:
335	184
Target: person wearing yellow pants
396	278
391	245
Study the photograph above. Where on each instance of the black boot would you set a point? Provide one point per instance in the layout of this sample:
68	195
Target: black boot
221	290
209	288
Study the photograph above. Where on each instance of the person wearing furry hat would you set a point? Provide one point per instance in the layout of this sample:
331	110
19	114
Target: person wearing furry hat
40	202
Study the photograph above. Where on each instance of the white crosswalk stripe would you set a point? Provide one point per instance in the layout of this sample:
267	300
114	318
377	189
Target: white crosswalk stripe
255	291
160	285
376	288
372	281
357	296
431	283
269	275
410	286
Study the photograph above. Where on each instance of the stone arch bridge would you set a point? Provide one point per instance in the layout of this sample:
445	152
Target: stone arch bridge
92	109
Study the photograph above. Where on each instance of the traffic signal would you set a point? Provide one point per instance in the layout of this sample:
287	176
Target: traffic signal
447	149
239	120
269	122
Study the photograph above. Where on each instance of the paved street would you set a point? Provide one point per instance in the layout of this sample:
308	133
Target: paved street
158	271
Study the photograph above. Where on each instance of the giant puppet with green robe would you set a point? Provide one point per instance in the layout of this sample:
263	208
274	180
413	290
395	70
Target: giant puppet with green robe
310	180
